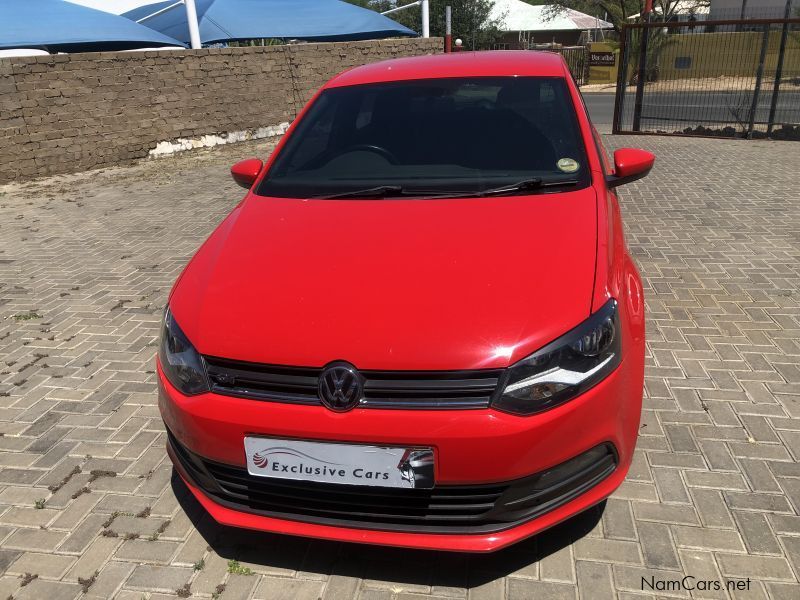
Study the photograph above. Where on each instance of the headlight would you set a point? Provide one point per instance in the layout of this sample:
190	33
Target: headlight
566	367
180	362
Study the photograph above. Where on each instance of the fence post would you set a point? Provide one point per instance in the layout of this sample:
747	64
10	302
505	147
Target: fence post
742	15
759	78
622	80
641	77
779	69
448	30
585	65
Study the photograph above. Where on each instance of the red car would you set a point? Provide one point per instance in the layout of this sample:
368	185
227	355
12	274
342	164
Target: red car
421	327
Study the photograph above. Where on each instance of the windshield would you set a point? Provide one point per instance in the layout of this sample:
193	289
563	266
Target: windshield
433	137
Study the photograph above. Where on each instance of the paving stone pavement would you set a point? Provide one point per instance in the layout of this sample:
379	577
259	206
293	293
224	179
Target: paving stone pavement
88	503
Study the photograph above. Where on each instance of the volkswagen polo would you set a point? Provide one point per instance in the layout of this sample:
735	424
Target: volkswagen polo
421	326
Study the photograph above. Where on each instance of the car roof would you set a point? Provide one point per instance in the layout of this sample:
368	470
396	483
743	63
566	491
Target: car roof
495	63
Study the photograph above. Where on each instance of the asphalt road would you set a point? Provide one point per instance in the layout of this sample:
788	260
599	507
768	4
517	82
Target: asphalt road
673	108
601	107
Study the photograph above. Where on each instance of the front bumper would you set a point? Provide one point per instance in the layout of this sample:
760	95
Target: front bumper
472	448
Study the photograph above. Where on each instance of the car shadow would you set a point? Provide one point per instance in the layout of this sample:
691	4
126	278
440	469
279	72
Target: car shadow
287	555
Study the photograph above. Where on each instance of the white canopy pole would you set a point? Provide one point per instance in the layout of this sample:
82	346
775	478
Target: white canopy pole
426	17
160	11
191	19
194	28
403	7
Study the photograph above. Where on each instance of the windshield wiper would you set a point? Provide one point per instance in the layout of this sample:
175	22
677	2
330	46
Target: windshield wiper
387	191
390	191
526	184
381	191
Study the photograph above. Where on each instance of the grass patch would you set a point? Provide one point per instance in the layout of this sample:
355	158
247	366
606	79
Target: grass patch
83	490
28	316
161	529
95	474
63	482
107	523
87	583
235	568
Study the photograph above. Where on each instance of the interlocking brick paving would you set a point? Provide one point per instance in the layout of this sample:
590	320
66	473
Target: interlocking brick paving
88	503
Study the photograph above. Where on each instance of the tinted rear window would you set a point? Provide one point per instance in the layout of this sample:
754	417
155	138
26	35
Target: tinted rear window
432	136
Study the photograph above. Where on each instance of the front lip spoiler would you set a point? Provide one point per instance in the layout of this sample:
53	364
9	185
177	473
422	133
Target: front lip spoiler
541	510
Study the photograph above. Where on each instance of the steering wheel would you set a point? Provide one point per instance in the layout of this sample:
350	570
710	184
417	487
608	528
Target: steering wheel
372	148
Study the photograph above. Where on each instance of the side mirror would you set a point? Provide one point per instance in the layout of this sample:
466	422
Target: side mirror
630	164
245	172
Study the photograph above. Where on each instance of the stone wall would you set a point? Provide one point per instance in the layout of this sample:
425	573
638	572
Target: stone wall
66	113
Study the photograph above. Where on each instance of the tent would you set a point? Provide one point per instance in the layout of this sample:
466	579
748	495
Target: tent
681	10
59	26
232	20
515	15
525	26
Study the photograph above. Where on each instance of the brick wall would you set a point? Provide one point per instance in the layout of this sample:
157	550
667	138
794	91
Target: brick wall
66	113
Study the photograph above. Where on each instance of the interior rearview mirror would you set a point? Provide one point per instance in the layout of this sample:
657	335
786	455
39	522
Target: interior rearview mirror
630	164
245	172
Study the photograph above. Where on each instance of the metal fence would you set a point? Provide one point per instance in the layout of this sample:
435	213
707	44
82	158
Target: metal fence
728	78
576	57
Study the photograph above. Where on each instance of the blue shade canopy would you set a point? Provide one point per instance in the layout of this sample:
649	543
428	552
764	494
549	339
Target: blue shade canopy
60	26
230	20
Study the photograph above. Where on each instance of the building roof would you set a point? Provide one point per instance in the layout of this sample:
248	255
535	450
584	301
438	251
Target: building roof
682	7
497	63
516	15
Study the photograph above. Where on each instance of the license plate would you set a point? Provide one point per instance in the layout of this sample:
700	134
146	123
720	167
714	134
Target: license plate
347	464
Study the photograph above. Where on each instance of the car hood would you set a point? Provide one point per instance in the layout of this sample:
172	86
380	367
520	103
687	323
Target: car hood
391	284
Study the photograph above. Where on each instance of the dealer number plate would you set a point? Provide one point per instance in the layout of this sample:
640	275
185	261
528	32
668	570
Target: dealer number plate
347	464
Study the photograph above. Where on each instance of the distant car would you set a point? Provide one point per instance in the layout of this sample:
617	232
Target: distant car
421	327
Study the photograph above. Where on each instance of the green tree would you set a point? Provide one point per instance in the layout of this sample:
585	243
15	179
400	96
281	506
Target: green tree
470	19
622	12
616	12
619	12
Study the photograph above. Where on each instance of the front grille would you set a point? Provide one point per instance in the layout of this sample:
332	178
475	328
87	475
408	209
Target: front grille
442	509
382	389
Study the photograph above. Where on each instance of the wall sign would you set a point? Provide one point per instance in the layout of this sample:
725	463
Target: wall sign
601	59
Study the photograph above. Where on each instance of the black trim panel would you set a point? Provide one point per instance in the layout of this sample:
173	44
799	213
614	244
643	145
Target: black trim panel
445	509
382	389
